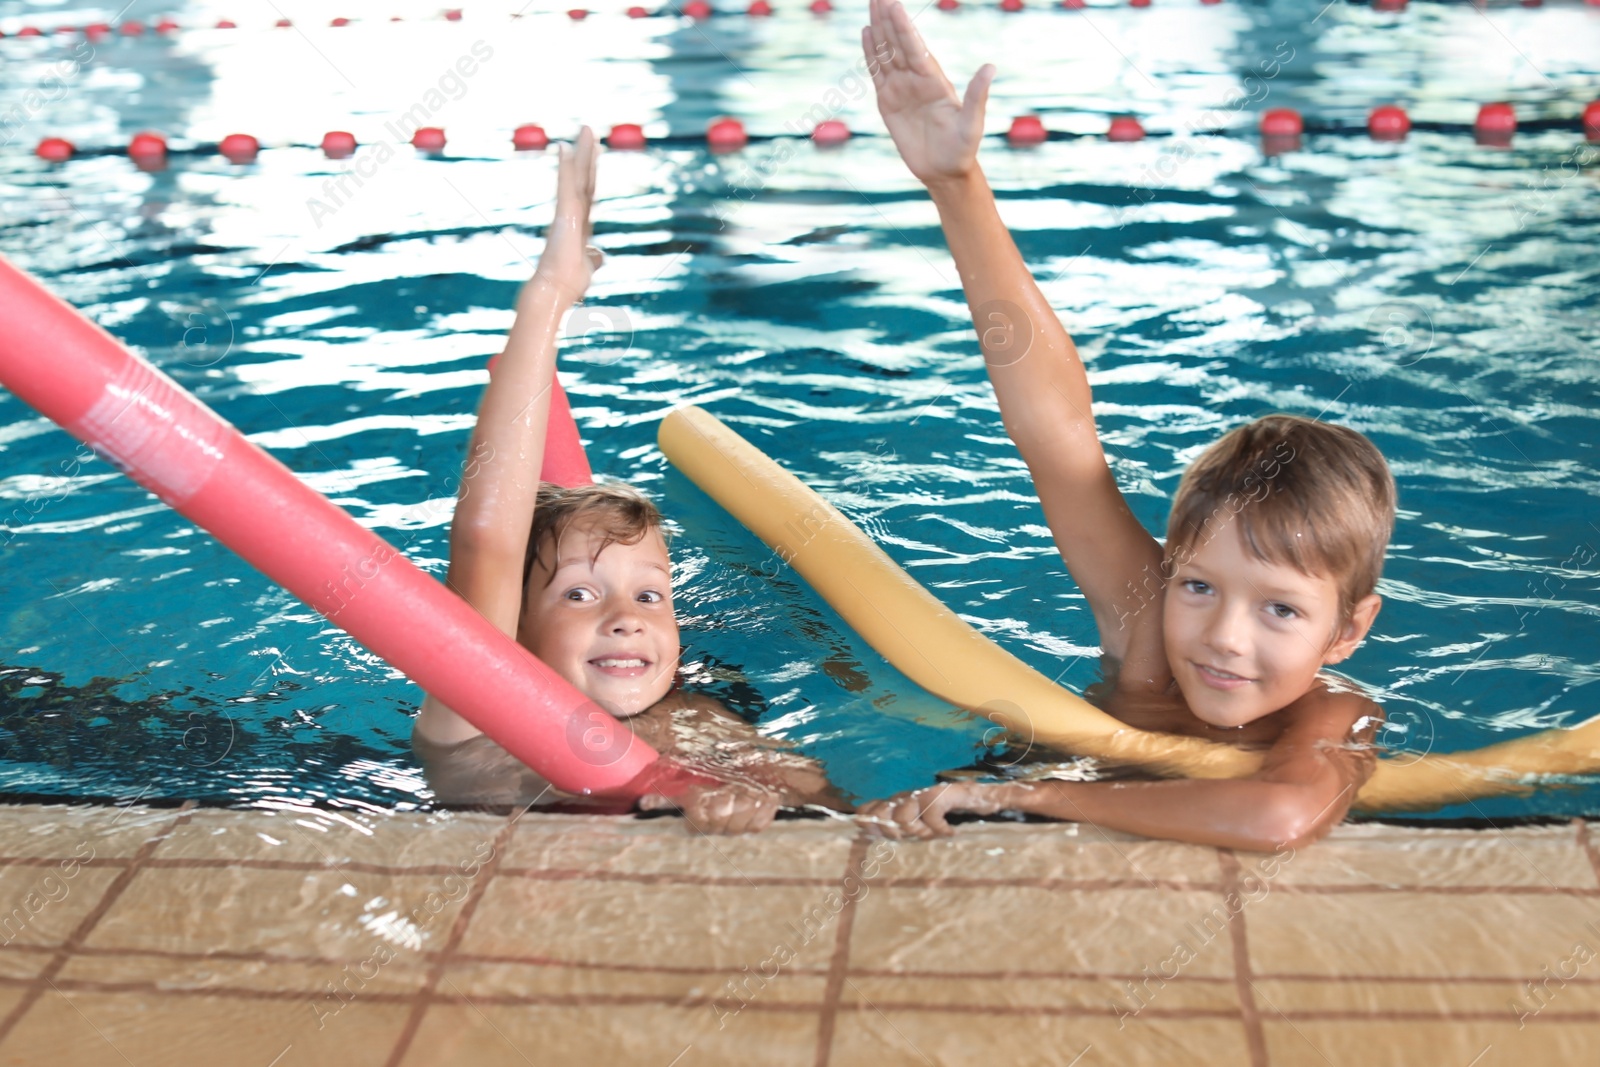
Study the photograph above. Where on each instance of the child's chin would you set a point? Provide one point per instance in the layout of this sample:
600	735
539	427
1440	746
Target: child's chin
632	704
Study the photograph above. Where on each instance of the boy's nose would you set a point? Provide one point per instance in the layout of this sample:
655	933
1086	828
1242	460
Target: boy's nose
626	619
1225	631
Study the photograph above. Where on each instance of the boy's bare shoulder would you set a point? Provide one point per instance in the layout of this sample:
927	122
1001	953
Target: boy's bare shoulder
1332	727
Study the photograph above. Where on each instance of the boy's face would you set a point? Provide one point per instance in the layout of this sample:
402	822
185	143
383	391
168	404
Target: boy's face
1245	637
605	623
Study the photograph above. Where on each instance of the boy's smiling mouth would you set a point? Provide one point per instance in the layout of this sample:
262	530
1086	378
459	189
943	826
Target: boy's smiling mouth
1220	679
623	666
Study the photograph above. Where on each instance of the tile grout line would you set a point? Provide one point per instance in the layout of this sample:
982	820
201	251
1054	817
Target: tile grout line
793	1007
86	925
840	961
1249	1015
423	997
1587	844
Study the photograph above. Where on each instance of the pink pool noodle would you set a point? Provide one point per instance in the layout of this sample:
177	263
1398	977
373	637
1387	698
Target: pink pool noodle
82	378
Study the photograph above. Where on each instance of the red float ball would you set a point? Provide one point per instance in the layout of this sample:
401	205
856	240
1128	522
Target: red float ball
96	30
697	9
131	28
147	146
1388	122
1211	1
1074	5
453	15
1496	118
1591	120
227	24
529	138
760	7
30	31
637	12
1010	5
626	135
1125	128
55	150
1138	3
341	21
166	25
1282	122
726	133
428	139
1388	5
831	132
1026	129
820	7
283	24
949	5
239	147
337	144
577	14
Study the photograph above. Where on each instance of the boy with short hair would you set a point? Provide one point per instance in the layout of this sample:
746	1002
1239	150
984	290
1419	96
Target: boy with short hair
581	578
1274	545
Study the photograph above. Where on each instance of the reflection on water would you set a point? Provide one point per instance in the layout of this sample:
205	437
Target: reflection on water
1435	294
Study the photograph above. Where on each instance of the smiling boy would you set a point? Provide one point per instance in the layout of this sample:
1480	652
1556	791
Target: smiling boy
1274	544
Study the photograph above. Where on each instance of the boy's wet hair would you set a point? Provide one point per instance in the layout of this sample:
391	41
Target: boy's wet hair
620	513
1317	497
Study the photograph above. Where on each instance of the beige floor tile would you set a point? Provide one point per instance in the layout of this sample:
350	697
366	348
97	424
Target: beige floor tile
334	914
889	1039
1116	931
1370	854
788	849
523	980
713	927
42	905
18	961
404	972
1112	996
1373	996
648	1035
1408	1043
435	839
1072	852
1417	934
113	1030
82	831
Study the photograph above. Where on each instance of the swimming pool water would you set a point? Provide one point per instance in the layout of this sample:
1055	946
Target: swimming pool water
1436	294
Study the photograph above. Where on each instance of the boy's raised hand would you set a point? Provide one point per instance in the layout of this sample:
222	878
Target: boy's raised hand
936	131
568	260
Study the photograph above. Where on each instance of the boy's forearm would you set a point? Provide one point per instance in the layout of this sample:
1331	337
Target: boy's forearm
1230	813
497	495
1037	375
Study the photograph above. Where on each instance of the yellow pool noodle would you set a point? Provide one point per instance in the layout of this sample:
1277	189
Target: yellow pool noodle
931	645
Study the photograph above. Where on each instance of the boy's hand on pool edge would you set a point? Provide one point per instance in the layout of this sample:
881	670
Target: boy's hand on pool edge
936	131
921	812
569	261
724	808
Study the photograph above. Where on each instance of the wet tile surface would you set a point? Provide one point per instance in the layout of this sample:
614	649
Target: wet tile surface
200	937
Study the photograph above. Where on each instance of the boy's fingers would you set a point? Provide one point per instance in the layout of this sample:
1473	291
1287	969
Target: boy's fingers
910	51
977	98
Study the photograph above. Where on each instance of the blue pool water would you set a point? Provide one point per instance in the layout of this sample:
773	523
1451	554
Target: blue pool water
1436	294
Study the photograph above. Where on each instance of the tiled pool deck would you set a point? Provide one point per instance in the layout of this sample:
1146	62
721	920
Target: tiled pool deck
202	936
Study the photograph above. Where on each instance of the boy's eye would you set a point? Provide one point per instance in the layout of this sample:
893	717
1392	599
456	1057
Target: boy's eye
579	594
1195	585
1282	611
651	596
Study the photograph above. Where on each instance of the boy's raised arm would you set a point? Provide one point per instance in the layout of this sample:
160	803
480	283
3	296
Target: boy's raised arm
494	512
1032	362
500	482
